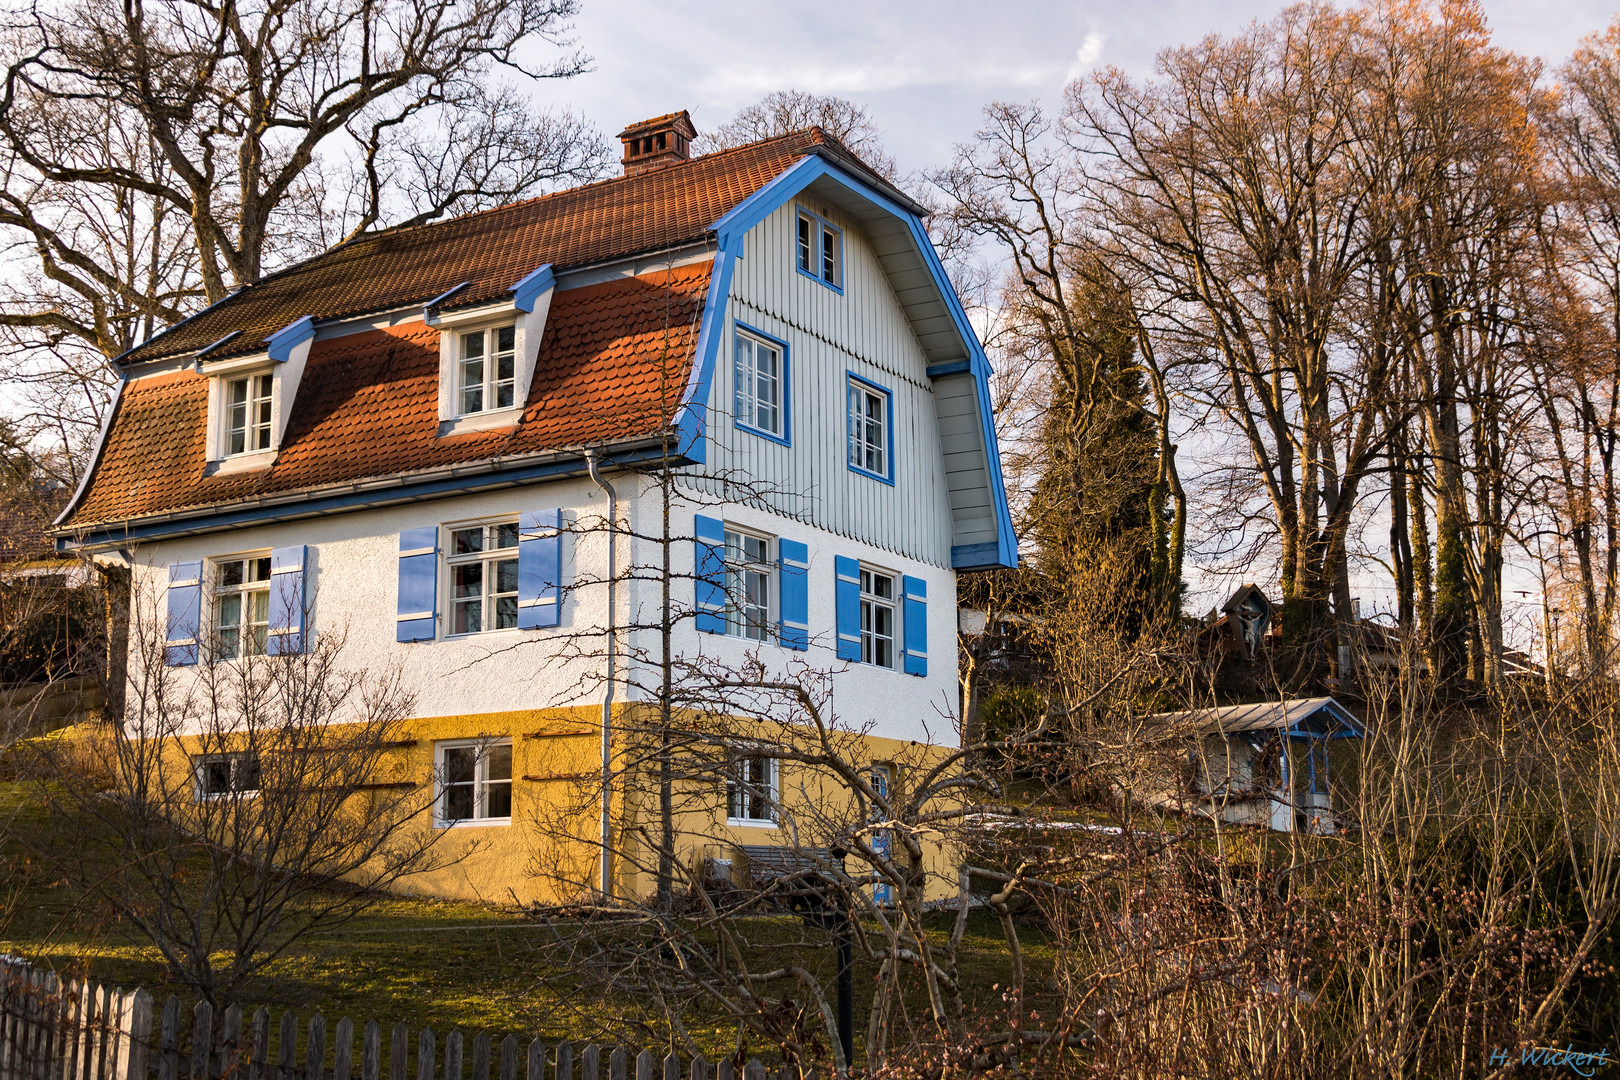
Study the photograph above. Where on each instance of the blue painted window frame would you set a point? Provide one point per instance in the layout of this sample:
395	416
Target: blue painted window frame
817	254
886	477
784	380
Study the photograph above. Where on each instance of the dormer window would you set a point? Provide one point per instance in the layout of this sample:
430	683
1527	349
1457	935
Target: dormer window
248	403
486	370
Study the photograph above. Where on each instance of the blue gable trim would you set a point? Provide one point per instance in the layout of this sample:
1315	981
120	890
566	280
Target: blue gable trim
529	288
689	418
730	230
289	337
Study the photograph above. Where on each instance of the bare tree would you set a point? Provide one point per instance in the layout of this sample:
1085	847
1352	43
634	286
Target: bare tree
784	111
238	805
157	157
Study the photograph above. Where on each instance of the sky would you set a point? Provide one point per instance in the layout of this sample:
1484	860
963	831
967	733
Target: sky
924	68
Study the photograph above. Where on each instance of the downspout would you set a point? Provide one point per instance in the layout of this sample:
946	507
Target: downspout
612	655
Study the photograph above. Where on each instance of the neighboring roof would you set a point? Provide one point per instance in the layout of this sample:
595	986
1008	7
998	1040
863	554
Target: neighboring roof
1298	716
24	521
491	251
612	364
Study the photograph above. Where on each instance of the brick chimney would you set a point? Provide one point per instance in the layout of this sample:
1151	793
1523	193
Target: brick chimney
657	143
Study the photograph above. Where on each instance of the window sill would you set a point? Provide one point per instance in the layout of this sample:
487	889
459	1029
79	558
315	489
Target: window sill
489	420
751	823
473	823
476	634
871	475
237	463
762	433
818	279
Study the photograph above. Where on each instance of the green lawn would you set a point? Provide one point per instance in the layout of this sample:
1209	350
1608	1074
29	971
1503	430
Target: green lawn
423	962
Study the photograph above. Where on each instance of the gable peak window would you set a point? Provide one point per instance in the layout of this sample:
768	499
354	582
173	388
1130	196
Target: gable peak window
869	426
241	607
760	383
821	250
483	564
486	370
247	414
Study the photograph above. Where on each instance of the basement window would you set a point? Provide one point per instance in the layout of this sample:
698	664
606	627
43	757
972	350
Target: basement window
475	782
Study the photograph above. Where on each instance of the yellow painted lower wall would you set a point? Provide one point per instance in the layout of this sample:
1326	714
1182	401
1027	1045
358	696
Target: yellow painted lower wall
548	850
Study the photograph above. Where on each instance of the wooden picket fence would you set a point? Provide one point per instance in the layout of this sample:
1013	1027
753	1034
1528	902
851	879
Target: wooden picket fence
52	1029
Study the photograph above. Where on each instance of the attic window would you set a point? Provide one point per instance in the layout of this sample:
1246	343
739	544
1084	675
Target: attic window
486	370
821	250
247	414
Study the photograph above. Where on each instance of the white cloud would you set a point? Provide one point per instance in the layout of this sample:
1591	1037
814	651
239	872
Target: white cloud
1085	56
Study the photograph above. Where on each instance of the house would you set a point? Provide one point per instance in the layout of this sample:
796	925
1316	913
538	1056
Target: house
397	439
1265	763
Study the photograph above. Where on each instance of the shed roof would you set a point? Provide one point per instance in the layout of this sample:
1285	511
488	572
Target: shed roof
1320	716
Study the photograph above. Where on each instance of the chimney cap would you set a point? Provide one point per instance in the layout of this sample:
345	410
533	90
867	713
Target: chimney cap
675	121
657	143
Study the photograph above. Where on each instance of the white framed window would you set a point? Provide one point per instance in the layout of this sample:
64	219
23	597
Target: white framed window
248	402
749	573
486	370
475	781
821	250
241	607
869	408
751	791
221	775
482	564
760	377
877	617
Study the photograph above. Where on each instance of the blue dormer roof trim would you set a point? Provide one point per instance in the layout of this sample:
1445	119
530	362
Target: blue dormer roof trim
729	232
289	337
528	289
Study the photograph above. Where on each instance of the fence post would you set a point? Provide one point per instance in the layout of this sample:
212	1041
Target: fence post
202	1040
480	1061
590	1062
343	1052
672	1066
452	1055
617	1064
565	1061
426	1049
371	1052
169	1041
259	1044
509	1051
700	1068
537	1060
315	1049
646	1067
137	1036
398	1048
725	1069
287	1060
753	1070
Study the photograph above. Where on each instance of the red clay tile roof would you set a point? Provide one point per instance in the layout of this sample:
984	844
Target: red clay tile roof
492	250
613	363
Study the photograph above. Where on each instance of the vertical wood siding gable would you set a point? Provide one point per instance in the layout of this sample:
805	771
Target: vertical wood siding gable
864	331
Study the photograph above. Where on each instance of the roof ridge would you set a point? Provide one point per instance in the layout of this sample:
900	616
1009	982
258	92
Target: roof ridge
353	243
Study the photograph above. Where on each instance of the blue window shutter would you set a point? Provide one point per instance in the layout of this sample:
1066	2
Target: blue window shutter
916	626
710	564
794	572
184	614
540	569
849	608
418	617
287	601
